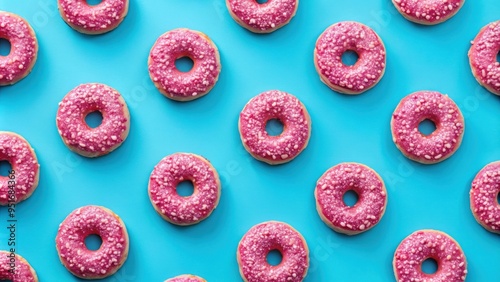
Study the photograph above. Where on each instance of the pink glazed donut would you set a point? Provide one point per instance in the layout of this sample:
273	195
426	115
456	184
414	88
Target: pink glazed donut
176	168
25	168
425	244
483	197
433	106
77	135
368	210
264	238
85	263
262	18
186	278
483	57
97	19
23	272
24	48
350	36
184	86
286	108
428	12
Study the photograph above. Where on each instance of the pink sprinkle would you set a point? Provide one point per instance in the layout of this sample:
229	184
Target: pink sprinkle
424	244
18	152
186	278
24	48
265	237
342	37
290	111
23	270
483	197
483	57
428	12
172	170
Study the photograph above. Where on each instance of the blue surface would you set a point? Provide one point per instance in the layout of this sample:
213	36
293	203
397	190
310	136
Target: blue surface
345	128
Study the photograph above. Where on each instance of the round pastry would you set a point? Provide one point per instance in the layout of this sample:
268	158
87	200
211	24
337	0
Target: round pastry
425	244
350	36
176	168
93	19
77	258
186	278
428	12
25	172
23	271
85	99
433	106
287	109
264	238
483	197
483	57
24	48
367	211
262	17
179	43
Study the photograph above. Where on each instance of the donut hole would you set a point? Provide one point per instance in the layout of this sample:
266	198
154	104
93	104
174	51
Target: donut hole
498	56
498	198
350	58
261	1
93	2
427	127
93	119
274	257
5	168
185	188
5	47
274	127
184	64
429	266
350	198
93	242
8	280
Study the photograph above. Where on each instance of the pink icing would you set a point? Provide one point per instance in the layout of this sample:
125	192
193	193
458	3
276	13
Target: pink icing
275	105
184	43
483	197
18	152
342	37
428	11
172	170
483	57
100	18
265	17
24	48
75	256
83	100
186	278
265	237
424	244
438	108
23	271
368	210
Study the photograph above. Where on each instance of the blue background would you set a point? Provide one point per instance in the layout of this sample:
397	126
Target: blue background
345	128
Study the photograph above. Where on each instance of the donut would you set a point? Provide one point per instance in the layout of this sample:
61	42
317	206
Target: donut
24	48
262	18
428	12
85	99
25	171
350	36
287	109
176	168
483	197
96	19
77	258
186	278
433	106
179	43
266	237
483	57
23	272
425	244
368	210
